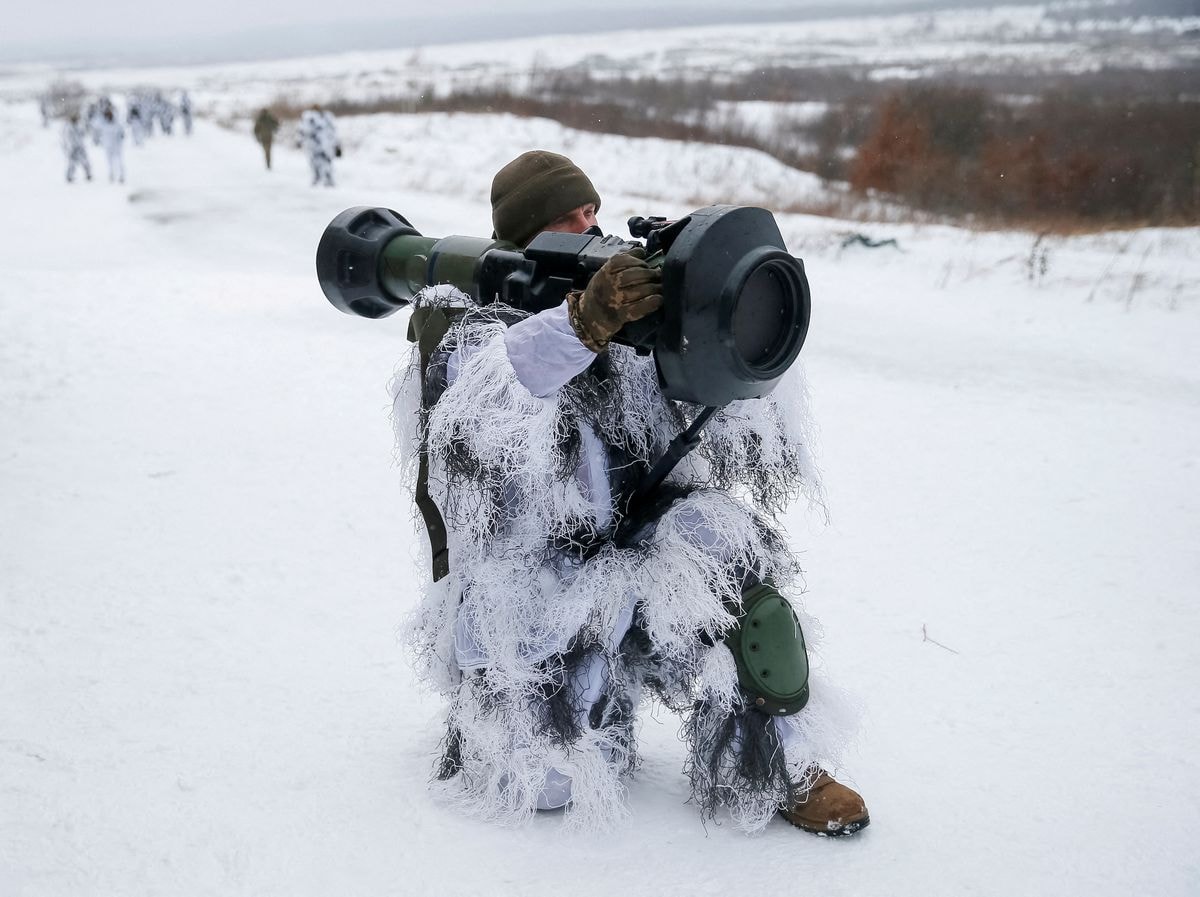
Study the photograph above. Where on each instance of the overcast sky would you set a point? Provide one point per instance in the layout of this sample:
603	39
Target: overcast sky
153	30
70	19
54	20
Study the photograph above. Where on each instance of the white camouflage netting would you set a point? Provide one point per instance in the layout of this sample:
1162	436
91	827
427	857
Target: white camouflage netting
519	616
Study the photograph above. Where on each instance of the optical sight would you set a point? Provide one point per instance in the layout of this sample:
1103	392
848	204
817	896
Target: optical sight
735	308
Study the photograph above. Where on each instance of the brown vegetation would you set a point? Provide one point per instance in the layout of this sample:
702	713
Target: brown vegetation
1065	156
1075	151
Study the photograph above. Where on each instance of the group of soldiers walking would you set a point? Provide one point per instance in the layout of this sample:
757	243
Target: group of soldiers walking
147	111
149	107
100	122
316	135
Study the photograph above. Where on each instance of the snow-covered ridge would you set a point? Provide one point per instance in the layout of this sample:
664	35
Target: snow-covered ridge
1027	38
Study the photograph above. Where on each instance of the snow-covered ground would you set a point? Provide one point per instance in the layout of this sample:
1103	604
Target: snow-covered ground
207	551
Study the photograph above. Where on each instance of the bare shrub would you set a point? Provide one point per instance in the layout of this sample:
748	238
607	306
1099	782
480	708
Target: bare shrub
1066	157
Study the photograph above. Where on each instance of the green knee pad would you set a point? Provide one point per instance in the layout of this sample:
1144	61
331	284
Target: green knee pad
768	646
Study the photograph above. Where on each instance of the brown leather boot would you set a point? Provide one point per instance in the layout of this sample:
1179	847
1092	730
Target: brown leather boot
827	808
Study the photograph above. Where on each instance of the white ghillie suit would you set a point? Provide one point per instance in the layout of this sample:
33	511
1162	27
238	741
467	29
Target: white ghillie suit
550	629
185	112
112	137
135	117
92	118
164	111
72	140
318	138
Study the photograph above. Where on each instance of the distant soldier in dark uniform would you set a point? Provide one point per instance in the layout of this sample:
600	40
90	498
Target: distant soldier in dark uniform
265	127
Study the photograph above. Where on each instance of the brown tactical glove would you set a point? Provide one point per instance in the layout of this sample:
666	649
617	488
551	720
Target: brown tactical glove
625	289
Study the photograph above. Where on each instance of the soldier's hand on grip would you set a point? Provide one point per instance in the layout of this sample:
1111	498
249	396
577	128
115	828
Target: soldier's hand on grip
625	289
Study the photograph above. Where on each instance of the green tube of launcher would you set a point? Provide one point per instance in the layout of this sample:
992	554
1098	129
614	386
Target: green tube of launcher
410	263
402	265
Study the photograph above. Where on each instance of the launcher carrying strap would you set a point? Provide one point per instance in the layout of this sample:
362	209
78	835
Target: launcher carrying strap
426	327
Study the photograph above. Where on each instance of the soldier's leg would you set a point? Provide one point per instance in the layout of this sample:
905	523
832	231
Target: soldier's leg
746	683
758	735
586	686
560	739
594	701
818	803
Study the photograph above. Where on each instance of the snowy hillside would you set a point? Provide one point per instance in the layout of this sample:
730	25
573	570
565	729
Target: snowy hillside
1057	37
207	551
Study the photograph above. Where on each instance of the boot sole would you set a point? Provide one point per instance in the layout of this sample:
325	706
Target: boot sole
848	828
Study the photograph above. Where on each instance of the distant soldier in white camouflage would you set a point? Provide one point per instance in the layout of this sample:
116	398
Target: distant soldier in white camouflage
95	117
185	112
165	112
317	136
91	122
333	146
74	148
112	138
135	117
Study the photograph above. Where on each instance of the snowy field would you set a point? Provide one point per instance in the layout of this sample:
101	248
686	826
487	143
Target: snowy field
207	550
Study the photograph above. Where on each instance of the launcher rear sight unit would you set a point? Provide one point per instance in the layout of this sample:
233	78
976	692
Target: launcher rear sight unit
736	305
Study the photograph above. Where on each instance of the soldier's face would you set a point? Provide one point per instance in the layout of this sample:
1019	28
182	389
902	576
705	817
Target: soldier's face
575	221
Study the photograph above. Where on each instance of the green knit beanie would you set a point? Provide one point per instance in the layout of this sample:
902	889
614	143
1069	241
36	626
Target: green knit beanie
534	189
